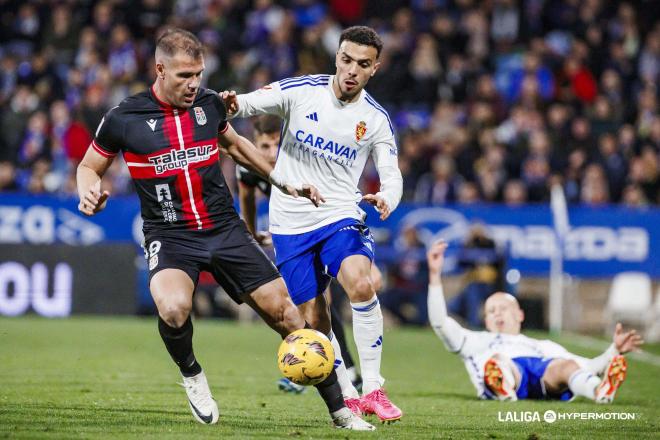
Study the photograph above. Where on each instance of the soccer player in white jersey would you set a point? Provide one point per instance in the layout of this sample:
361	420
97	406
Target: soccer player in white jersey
331	127
503	364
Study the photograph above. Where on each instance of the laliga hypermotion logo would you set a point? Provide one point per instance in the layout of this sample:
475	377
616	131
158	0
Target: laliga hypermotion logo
176	159
360	130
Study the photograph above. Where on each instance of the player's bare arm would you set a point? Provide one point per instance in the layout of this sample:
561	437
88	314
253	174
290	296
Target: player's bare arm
88	179
246	154
248	205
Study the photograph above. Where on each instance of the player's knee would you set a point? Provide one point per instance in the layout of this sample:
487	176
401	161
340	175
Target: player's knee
289	318
363	289
558	373
567	368
174	312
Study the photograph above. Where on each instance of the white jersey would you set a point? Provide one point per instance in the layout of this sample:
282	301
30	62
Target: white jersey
478	347
325	142
475	348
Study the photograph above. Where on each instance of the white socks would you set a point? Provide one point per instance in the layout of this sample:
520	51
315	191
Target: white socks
584	383
368	334
347	388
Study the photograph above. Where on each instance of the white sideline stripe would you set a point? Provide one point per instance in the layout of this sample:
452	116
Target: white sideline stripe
185	169
597	344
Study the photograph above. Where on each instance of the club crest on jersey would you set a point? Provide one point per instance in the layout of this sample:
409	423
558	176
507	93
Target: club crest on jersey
360	130
200	116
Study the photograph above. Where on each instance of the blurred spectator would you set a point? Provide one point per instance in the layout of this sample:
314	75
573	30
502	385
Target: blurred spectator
468	193
7	176
35	144
577	81
532	74
504	91
613	163
633	196
122	58
440	185
515	193
68	135
61	35
595	190
483	265
408	276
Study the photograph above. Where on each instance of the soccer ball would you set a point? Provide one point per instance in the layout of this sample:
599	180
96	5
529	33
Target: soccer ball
306	357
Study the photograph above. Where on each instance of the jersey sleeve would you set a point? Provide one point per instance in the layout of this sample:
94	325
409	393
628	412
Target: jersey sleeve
108	139
385	154
446	328
270	99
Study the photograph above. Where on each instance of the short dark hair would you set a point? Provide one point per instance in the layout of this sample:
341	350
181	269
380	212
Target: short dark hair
175	40
363	35
267	124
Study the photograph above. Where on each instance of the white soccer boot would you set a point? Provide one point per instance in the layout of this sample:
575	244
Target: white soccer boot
345	419
204	408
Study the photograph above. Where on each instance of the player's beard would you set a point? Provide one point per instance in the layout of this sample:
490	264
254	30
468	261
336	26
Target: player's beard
346	95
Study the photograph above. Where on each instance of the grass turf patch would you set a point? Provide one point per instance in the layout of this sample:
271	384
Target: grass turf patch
92	377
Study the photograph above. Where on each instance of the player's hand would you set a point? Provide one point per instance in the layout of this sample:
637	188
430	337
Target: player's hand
626	341
435	257
93	200
379	203
312	193
264	238
230	101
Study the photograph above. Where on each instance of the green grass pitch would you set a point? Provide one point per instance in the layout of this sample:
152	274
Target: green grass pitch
112	378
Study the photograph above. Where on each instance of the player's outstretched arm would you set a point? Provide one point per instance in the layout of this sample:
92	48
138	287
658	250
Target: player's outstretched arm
447	329
88	180
267	100
245	153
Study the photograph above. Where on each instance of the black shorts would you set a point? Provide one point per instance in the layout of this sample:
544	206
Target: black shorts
228	251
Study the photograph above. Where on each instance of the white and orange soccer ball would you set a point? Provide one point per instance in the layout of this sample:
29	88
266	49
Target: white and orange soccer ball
306	357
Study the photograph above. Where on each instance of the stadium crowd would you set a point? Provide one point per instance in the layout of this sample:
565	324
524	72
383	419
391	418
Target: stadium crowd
492	101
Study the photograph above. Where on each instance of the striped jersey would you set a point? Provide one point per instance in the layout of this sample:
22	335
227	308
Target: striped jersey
172	156
325	142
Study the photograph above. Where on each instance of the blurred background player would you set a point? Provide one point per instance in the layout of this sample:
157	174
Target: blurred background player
331	127
267	140
483	265
503	364
190	223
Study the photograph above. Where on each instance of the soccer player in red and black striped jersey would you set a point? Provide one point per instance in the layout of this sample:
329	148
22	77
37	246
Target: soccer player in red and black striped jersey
169	138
